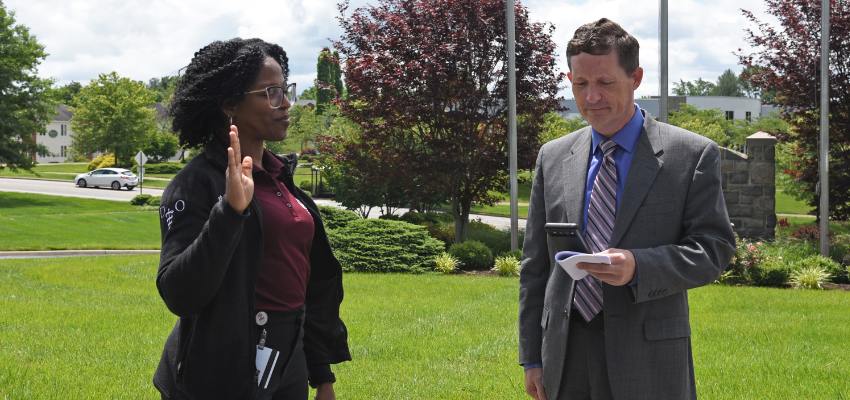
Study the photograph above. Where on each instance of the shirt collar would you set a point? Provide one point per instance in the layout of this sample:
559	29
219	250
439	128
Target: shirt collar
271	164
627	137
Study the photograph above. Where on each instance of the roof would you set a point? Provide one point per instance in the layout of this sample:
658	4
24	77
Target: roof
160	110
62	113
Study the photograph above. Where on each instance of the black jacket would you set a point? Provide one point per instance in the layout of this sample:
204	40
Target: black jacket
211	257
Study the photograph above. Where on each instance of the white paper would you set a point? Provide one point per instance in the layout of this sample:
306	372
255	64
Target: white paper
261	361
568	260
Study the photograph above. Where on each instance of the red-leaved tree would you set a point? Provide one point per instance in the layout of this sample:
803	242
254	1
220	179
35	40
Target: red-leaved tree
787	63
427	83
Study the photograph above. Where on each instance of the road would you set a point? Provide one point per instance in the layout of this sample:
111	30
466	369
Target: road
68	189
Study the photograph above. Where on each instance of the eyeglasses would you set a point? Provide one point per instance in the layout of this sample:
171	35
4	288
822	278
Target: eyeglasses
276	94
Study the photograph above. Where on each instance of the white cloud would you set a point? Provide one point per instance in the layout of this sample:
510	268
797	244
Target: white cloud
145	39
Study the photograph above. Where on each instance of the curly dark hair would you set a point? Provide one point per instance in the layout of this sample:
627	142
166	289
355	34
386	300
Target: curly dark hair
219	75
599	38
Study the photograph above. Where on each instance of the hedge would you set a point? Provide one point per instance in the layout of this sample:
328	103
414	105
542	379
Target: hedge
377	245
335	218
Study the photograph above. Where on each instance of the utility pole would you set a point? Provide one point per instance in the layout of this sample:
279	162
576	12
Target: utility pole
512	156
823	162
663	111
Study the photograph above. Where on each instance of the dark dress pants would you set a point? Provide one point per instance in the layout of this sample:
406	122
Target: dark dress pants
585	368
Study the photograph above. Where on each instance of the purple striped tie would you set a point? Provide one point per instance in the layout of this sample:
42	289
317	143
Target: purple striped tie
600	224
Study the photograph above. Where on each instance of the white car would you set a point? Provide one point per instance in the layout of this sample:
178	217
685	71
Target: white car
116	178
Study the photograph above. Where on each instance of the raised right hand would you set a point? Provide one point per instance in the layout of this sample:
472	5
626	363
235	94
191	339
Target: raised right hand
534	383
239	189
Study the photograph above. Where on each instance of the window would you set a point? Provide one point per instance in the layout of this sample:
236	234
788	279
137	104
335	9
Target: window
749	116
730	115
64	151
42	133
64	130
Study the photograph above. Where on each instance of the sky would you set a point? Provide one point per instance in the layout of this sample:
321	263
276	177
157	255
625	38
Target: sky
154	38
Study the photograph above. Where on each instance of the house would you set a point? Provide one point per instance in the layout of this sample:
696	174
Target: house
56	136
734	107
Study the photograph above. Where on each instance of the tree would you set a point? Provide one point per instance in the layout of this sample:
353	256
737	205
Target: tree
328	80
787	62
111	115
427	83
65	94
728	84
163	88
26	101
557	126
698	87
309	93
161	144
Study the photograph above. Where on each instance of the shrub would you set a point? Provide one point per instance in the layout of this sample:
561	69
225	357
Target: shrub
830	267
430	217
140	199
375	245
771	272
102	161
306	185
498	241
809	278
747	254
473	255
335	218
391	217
309	151
507	266
164	168
442	232
154	201
304	158
445	263
516	253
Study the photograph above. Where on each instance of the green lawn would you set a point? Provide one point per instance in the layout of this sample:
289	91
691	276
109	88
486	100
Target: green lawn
40	222
93	327
787	204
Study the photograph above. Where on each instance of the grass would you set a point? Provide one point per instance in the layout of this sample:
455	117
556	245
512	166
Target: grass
40	222
93	327
787	204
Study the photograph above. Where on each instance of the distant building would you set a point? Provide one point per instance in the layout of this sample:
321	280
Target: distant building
306	103
734	107
56	136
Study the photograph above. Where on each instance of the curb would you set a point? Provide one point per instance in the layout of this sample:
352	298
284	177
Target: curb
71	253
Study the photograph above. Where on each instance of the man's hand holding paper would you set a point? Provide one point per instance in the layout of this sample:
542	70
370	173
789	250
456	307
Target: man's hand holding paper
620	272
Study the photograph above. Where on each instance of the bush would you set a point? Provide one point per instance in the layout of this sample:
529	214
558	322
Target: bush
306	185
140	199
145	200
375	245
429	217
771	272
507	266
304	158
164	168
445	263
809	278
309	151
473	255
830	267
335	218
442	232
498	241
102	161
391	217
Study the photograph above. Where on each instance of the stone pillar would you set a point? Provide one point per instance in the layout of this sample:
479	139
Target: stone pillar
749	187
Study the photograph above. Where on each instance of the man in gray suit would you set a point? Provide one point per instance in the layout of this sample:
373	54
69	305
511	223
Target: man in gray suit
648	195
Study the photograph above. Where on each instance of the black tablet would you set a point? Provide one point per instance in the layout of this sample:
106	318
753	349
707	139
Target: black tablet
566	237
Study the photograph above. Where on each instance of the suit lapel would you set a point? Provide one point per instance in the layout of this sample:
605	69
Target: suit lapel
645	166
575	177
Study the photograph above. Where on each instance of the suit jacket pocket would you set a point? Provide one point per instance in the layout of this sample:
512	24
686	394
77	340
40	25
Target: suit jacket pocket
678	326
655	209
544	322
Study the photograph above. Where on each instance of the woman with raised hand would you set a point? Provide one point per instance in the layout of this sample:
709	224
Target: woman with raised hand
245	262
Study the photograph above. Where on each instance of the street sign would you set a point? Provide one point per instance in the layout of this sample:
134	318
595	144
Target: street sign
141	159
141	172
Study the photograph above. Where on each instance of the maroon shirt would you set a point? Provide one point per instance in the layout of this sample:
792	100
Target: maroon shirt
288	236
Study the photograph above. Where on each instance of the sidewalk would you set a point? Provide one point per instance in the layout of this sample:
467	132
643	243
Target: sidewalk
71	253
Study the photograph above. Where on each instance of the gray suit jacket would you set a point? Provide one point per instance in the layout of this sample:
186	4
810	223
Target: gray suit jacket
672	217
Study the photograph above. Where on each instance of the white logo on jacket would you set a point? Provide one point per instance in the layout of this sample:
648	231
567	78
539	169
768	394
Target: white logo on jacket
168	213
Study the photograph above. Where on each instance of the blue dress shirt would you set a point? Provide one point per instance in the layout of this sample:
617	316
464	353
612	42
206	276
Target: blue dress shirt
626	139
